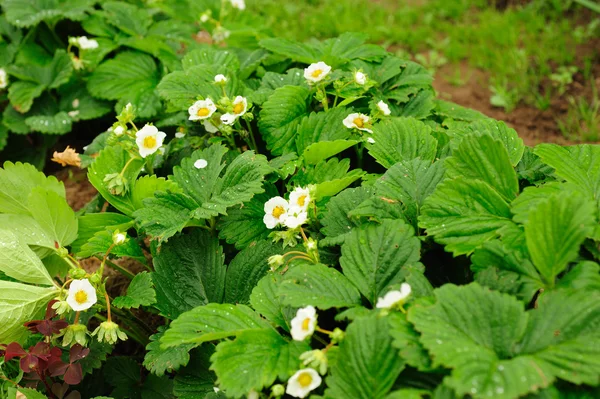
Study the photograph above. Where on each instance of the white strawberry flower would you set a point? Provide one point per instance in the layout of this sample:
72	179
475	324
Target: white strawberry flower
208	125
149	140
239	4
86	44
240	106
302	382
82	295
357	121
394	298
316	72
360	78
276	212
3	79
228	119
295	218
202	109
299	199
179	135
304	323
384	108
200	163
220	78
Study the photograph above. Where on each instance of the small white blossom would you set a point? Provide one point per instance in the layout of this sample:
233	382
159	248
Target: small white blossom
275	212
304	323
240	106
360	78
200	163
228	119
316	72
149	140
119	130
119	238
220	78
393	298
82	295
371	140
202	109
384	108
204	18
75	103
86	44
295	218
358	121
208	125
73	113
300	384
239	4
179	135
299	199
3	79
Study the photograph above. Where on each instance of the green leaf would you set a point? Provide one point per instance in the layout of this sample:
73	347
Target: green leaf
54	215
127	17
102	241
159	361
289	48
31	12
579	165
76	99
555	230
59	123
189	272
497	350
317	152
272	80
146	186
243	225
20	303
457	112
255	360
496	130
22	93
20	262
319	286
27	230
373	257
196	380
139	293
130	77
113	160
463	214
322	126
165	215
17	181
330	188
211	322
92	223
484	158
264	300
401	139
532	169
410	182
532	196
278	124
336	222
246	269
367	364
406	340
211	56
349	46
26	393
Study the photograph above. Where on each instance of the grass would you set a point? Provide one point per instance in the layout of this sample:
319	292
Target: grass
520	47
582	122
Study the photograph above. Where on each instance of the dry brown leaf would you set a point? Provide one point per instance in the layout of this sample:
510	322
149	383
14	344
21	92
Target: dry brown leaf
68	157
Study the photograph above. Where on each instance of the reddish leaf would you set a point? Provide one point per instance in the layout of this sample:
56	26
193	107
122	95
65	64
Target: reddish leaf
14	350
41	350
73	375
29	363
60	389
50	313
57	368
78	352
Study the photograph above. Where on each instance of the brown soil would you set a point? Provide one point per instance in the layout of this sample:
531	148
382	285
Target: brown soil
533	125
79	190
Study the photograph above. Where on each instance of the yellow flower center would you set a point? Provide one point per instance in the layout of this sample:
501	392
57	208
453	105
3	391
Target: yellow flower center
238	108
359	122
278	211
203	112
305	379
81	297
316	73
149	142
306	323
301	200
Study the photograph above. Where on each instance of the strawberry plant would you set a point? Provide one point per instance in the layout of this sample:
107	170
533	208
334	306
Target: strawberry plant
320	226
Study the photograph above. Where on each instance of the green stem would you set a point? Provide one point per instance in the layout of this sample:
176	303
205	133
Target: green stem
253	141
324	100
149	166
120	269
359	154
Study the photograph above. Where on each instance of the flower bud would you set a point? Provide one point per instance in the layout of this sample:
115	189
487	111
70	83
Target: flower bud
316	359
277	390
337	335
75	334
119	238
109	332
276	261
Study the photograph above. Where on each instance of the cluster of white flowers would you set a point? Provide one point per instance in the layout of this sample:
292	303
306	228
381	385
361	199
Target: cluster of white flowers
3	79
316	72
82	295
290	214
203	110
149	140
83	42
394	298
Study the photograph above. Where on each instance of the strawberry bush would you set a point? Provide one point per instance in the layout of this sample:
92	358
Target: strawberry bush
309	220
